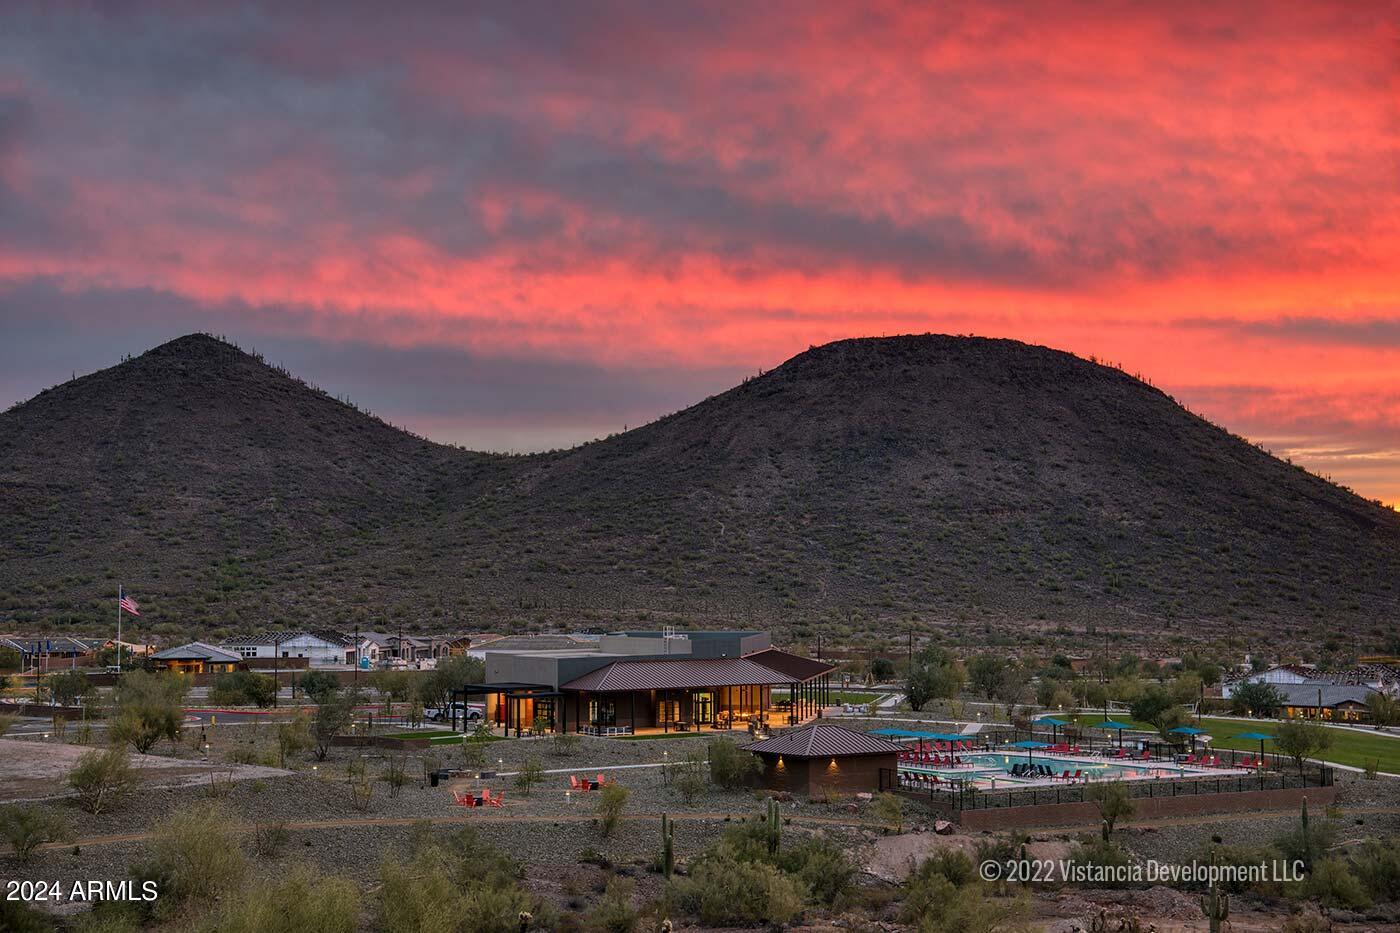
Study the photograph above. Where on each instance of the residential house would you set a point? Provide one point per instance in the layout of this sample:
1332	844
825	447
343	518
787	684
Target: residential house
320	648
196	658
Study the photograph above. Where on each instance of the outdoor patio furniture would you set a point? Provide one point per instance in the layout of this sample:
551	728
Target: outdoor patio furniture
601	781
497	801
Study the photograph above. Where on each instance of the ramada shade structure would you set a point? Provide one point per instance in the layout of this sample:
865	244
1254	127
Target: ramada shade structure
824	740
822	756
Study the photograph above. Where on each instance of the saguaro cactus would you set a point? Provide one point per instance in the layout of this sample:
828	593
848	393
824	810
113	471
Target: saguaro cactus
1215	904
775	827
668	857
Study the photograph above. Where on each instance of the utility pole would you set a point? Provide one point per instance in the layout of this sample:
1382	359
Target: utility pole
276	671
356	677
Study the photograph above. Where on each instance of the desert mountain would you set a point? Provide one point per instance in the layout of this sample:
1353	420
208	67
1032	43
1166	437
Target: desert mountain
972	485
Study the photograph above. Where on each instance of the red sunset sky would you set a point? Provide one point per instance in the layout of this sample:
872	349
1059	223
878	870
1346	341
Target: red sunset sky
521	225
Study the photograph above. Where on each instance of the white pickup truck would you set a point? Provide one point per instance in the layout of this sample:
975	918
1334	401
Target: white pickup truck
467	712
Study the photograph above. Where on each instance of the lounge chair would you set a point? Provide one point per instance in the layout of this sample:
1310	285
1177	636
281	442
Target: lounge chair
1078	775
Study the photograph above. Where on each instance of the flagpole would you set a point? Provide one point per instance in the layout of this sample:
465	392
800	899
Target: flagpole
119	628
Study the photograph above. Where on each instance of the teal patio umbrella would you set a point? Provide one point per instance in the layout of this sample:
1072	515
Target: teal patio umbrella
1260	737
1029	746
1189	731
1116	726
1054	724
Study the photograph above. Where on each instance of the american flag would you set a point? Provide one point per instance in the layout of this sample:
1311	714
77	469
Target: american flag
129	605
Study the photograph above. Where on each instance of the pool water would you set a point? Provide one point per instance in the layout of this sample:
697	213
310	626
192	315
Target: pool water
999	765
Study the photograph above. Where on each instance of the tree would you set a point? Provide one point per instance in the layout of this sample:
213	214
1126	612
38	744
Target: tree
933	676
1256	699
1113	800
984	673
1383	710
531	773
149	707
435	688
68	688
333	713
881	670
393	686
101	778
1156	706
919	687
612	798
318	685
28	827
1301	740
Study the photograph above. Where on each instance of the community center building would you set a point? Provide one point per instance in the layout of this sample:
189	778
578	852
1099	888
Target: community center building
630	682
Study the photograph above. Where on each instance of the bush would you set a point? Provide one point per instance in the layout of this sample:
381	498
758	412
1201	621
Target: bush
196	852
730	766
1332	884
822	867
28	827
889	809
721	890
1101	852
19	917
531	773
944	893
301	901
612	798
101	779
464	885
243	688
614	912
293	737
1378	867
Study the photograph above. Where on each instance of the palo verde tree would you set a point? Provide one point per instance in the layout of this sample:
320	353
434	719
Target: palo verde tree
149	707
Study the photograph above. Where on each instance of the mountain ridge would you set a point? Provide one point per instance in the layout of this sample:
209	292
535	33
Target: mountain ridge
970	484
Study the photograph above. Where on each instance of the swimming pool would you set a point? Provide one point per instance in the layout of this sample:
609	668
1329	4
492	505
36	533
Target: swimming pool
1002	767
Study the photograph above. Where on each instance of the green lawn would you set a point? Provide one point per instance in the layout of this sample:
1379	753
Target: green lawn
841	696
1357	749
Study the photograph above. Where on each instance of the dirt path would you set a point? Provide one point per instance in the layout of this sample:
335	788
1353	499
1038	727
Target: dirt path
453	819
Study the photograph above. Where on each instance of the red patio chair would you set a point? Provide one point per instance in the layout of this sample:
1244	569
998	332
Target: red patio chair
576	784
1077	774
497	801
486	795
1146	754
601	781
